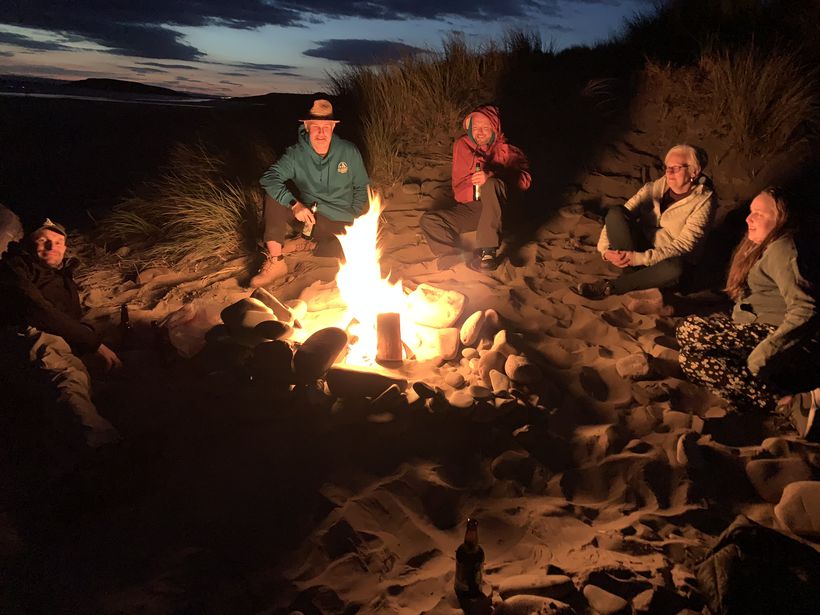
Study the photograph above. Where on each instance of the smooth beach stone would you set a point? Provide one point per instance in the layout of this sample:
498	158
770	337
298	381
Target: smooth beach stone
297	307
390	399
318	353
492	360
279	309
537	584
234	316
473	364
434	307
633	366
604	602
480	392
523	604
424	390
799	508
357	383
461	398
500	381
272	362
274	329
472	328
770	476
454	379
469	353
777	447
501	343
493	319
677	420
519	369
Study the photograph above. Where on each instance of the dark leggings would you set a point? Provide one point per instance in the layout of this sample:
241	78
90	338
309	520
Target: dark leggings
624	234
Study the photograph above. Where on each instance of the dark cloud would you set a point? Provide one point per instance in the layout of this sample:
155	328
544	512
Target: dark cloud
234	74
143	70
226	82
556	27
276	68
18	40
360	51
145	28
166	65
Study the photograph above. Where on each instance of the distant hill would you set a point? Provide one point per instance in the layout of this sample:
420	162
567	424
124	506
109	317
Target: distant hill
119	85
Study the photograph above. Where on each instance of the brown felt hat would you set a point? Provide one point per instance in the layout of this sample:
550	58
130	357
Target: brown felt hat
321	110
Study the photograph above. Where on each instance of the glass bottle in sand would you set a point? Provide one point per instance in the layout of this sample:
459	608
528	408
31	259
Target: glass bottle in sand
476	187
469	564
125	328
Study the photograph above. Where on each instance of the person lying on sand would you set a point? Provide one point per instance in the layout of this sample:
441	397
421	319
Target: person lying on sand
40	324
327	171
770	347
485	168
658	230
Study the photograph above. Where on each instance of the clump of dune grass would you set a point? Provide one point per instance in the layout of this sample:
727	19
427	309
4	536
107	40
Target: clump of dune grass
190	213
411	109
763	99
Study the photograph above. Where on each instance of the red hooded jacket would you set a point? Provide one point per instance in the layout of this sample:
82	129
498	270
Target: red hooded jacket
499	158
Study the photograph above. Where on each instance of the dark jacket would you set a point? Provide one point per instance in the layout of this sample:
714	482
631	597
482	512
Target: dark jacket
34	294
337	182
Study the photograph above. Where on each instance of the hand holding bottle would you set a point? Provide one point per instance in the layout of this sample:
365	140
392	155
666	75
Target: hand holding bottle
303	214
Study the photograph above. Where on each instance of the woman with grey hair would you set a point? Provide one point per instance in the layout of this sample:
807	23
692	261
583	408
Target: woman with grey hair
660	229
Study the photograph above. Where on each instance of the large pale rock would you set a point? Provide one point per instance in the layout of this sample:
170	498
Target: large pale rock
776	447
492	360
549	585
454	379
480	392
355	383
434	307
245	314
437	343
472	328
603	602
770	476
677	420
280	310
799	508
318	353
532	605
633	366
519	369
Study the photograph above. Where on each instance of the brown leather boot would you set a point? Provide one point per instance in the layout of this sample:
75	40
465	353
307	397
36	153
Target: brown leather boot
271	270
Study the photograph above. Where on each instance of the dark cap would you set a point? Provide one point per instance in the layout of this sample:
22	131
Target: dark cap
49	225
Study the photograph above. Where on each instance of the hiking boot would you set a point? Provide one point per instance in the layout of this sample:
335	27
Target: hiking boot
271	270
594	290
803	415
488	261
298	244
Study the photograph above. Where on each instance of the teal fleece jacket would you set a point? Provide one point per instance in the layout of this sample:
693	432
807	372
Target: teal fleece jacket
337	183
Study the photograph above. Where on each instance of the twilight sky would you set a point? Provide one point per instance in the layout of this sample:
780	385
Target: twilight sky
248	47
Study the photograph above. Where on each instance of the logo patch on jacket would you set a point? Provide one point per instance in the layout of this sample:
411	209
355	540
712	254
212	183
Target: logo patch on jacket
342	168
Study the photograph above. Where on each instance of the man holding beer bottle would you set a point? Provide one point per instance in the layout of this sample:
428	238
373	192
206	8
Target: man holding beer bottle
485	168
327	172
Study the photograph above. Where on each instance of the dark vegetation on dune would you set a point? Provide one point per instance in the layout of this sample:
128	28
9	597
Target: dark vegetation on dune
178	185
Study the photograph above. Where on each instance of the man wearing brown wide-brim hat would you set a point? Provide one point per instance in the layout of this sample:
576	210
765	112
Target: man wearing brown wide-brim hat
321	170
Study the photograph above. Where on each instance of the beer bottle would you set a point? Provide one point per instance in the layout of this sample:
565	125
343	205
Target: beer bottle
469	564
476	187
126	330
307	229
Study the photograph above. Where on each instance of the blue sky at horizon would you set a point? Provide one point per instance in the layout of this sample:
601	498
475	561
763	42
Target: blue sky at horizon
250	47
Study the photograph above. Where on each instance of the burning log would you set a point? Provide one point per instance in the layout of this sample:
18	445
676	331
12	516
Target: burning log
388	338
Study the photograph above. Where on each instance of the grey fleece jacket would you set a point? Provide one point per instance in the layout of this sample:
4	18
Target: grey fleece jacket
678	231
778	295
